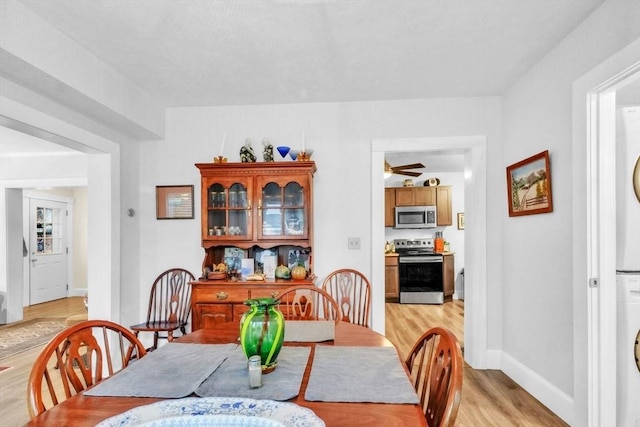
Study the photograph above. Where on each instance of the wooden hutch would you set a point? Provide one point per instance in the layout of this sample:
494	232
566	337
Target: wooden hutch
252	207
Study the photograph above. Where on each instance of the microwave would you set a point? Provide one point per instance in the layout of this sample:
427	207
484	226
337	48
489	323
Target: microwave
415	217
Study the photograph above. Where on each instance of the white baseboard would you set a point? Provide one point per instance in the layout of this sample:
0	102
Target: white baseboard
556	400
77	292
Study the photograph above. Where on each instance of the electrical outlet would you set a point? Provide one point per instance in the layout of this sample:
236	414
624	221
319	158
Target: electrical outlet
353	242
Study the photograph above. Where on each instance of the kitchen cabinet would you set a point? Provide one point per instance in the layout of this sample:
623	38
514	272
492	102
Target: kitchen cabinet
247	205
415	196
443	205
221	301
438	196
391	283
389	207
448	276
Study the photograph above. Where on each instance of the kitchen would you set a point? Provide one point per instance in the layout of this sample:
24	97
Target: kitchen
416	246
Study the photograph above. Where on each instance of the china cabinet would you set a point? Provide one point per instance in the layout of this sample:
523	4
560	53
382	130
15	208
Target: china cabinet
252	208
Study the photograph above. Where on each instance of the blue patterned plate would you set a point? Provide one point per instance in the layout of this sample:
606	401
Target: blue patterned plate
197	411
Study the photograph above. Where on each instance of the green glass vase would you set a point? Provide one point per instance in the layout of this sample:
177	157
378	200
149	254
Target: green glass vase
262	331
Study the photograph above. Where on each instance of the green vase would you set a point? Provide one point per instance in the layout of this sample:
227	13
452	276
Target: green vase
262	331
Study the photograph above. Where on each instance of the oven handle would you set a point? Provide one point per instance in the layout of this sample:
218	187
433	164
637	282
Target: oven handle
419	259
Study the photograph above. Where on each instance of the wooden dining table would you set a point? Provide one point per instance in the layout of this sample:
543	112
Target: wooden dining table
83	410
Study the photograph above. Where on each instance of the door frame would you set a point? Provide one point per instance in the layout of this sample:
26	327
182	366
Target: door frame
27	195
594	237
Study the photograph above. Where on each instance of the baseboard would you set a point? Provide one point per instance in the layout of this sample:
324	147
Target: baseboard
77	292
556	400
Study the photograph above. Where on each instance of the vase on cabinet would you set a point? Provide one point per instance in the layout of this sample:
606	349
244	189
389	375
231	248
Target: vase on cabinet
262	331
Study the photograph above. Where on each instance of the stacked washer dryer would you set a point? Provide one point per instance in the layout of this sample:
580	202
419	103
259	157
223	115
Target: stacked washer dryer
628	265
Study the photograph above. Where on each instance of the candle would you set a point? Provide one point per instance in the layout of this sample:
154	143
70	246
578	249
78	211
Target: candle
222	146
303	150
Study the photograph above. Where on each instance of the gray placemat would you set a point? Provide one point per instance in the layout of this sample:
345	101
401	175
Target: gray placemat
232	377
359	374
173	370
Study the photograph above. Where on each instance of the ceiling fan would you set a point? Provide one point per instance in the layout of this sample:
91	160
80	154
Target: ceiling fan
400	170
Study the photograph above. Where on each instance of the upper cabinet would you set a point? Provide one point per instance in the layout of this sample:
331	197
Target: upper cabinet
415	196
439	196
263	204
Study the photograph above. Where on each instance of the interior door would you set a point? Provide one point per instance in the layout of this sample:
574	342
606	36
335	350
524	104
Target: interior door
47	250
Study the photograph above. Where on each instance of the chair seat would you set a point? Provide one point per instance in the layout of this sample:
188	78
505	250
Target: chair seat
157	326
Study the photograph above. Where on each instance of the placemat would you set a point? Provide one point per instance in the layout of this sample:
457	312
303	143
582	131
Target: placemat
232	377
309	330
359	374
173	370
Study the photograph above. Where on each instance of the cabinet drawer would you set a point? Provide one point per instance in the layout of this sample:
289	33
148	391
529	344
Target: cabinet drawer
227	294
208	315
264	292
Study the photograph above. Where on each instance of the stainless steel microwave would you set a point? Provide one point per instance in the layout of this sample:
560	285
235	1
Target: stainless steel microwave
415	217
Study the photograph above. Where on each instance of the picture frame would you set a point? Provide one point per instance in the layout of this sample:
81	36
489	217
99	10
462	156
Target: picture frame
460	220
529	186
174	202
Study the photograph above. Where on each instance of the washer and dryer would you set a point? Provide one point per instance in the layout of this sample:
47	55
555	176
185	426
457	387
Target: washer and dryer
628	379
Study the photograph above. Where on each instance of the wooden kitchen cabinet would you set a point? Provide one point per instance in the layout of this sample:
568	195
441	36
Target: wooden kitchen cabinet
391	283
389	207
448	276
220	301
443	205
415	196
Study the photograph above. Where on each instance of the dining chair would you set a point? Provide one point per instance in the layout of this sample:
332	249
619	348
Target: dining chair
308	302
352	291
169	305
77	358
435	369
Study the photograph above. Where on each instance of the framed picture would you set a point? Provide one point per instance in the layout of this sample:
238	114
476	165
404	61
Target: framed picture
460	220
174	201
529	186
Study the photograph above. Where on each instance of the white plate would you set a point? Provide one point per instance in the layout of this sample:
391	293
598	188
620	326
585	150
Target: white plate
175	410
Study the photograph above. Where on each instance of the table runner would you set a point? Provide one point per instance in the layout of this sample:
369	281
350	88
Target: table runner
359	374
173	370
232	377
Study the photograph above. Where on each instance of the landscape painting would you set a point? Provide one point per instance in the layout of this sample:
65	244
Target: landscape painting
529	186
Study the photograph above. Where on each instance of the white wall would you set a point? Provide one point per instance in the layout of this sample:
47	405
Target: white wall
538	310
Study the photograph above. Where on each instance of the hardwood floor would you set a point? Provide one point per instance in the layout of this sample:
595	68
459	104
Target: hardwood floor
489	397
13	382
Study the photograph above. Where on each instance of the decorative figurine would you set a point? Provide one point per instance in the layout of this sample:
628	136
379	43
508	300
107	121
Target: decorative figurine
267	152
246	152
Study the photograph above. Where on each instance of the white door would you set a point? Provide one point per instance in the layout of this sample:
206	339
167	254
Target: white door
48	250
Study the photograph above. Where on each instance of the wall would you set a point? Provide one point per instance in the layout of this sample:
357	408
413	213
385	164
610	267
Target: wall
538	285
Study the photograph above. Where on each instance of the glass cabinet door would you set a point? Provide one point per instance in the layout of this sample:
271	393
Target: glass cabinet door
228	210
282	210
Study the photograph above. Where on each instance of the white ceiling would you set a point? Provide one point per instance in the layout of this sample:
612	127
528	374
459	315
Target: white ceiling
203	52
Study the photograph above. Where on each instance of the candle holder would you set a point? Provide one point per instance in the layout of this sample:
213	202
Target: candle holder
304	156
219	159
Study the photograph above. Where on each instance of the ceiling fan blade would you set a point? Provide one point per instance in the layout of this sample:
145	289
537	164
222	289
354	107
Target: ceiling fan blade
407	173
411	166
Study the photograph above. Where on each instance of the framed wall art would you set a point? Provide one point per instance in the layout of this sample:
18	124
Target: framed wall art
529	186
460	220
174	201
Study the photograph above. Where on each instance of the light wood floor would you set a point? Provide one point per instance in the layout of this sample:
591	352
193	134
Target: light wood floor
489	398
13	382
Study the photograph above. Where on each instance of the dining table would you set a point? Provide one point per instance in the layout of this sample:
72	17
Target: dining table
84	409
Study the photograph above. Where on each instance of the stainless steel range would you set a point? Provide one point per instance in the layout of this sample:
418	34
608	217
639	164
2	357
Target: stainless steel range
420	272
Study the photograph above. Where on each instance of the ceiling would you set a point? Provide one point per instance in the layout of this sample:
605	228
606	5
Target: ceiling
202	52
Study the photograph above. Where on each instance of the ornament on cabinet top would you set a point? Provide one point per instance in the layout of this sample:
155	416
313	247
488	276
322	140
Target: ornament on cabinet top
267	152
246	152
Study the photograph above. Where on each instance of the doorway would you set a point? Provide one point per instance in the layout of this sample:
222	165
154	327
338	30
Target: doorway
474	150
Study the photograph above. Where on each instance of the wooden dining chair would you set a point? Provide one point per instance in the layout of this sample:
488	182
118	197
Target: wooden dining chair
308	302
352	291
169	305
77	358
435	368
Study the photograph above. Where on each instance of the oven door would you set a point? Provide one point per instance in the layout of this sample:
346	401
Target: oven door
420	279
